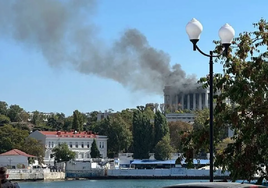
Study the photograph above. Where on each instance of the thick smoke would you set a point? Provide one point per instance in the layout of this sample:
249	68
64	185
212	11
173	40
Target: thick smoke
64	33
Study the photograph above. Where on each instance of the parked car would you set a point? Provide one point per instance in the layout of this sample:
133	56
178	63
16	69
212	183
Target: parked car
214	185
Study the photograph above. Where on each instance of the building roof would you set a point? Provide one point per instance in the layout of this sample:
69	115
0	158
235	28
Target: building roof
137	161
71	134
172	161
16	152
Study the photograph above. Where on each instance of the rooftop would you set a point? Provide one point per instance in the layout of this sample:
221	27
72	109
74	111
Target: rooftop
76	134
16	152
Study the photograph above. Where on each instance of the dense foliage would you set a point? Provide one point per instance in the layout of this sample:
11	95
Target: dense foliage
244	83
94	151
62	153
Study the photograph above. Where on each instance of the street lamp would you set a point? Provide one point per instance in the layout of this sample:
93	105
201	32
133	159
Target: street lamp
226	34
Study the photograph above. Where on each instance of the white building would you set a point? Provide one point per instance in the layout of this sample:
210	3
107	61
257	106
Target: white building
15	159
196	98
188	98
184	117
79	142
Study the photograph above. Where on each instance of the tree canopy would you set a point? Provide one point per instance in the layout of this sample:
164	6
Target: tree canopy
94	151
244	83
62	153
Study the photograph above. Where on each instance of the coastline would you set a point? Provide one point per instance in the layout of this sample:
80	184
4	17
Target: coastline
217	178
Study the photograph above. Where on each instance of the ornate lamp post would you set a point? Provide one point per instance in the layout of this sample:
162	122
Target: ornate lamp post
226	33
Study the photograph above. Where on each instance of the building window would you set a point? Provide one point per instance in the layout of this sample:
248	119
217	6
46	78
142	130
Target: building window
88	155
76	144
100	144
52	144
49	144
82	155
82	144
88	146
71	144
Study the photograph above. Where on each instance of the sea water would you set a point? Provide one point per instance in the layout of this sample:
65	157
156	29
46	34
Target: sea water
133	183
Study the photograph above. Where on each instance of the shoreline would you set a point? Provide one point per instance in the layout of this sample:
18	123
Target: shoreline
216	178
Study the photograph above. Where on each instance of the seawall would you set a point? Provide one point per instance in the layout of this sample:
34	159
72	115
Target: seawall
34	175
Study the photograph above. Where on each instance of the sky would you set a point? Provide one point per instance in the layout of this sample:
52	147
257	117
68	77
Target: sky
55	70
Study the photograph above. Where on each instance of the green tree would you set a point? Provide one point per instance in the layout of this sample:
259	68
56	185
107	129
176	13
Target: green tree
118	133
4	120
127	116
91	120
37	118
53	123
244	83
176	130
14	112
62	153
68	123
78	121
34	147
223	145
201	118
163	149
142	134
94	151
3	108
160	127
56	121
11	138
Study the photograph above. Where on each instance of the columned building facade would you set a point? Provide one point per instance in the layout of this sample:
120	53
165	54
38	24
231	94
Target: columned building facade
186	99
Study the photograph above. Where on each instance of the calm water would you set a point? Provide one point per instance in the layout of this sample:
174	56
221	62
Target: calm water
104	183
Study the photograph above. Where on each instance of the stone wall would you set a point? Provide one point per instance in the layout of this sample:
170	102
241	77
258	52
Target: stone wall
17	174
54	176
38	174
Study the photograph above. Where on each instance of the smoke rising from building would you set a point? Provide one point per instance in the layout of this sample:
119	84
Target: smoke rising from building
63	31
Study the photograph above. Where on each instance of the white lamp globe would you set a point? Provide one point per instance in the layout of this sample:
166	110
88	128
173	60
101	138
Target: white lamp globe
226	34
194	29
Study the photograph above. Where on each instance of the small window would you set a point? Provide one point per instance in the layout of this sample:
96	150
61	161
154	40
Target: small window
76	144
49	144
82	144
71	144
52	144
88	146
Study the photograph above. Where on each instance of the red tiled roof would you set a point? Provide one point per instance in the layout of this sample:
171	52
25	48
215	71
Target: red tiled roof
83	134
16	152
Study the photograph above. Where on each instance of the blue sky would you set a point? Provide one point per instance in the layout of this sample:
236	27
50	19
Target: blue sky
28	80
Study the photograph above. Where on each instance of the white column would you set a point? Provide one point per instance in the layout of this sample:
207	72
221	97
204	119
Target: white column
182	101
200	101
177	101
170	100
194	101
206	99
188	101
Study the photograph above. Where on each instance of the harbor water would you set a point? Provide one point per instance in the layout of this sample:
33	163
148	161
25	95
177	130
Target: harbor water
129	183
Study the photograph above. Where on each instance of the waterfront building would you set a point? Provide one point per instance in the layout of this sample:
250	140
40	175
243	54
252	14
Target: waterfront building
79	142
15	159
